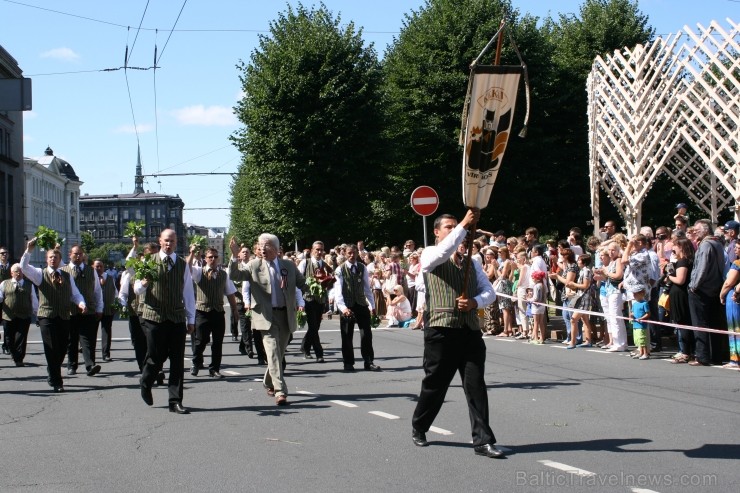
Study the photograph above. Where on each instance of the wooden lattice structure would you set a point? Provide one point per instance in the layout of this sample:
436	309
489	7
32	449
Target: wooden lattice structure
671	107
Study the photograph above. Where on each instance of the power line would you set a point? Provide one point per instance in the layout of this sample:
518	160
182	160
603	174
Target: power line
129	53
171	31
208	173
94	70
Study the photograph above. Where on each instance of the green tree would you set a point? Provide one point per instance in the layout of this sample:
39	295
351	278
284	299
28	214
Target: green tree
87	240
311	141
104	251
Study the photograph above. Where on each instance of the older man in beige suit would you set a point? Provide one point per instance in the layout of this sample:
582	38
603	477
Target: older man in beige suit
272	283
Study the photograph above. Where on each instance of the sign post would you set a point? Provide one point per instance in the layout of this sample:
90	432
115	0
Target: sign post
424	201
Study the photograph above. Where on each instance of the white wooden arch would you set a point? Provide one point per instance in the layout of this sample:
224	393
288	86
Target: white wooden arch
671	107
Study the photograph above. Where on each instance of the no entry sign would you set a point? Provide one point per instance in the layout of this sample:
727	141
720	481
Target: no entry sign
424	201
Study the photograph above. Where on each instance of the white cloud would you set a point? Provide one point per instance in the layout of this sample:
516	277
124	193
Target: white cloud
64	54
129	129
205	116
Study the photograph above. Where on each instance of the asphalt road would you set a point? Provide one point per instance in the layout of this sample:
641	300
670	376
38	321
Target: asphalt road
580	420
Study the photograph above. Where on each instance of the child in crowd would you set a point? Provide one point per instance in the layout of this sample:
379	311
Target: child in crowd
538	310
640	314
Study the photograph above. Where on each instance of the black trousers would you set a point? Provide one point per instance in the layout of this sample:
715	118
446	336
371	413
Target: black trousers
447	351
361	315
16	334
55	337
656	331
245	327
83	333
207	325
259	346
164	340
314	311
106	335
707	311
138	339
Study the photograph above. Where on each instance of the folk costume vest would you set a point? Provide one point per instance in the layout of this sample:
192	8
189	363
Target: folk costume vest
85	280
17	303
353	285
209	293
109	293
444	285
163	297
54	297
311	269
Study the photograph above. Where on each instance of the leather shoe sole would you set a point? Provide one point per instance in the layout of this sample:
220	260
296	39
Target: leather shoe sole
419	439
177	408
146	395
94	370
489	450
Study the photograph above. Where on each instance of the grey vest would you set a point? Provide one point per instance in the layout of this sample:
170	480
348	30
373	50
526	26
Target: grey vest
444	284
85	282
109	293
163	297
54	299
209	293
353	286
17	303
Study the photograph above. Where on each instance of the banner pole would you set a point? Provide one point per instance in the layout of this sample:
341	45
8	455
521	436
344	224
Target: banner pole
424	222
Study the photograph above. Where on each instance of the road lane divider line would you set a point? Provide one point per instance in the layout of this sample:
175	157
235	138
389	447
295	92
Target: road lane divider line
304	392
230	372
440	431
344	403
384	415
565	467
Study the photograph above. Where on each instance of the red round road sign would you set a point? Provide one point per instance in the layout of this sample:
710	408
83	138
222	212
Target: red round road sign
424	201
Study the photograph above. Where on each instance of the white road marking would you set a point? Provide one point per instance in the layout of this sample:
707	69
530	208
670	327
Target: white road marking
229	372
304	392
257	379
344	403
440	431
566	468
384	415
503	339
642	490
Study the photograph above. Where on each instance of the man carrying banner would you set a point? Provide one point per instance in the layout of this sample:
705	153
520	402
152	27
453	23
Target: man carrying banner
452	337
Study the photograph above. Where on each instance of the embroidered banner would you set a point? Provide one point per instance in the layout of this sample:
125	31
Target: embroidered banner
490	112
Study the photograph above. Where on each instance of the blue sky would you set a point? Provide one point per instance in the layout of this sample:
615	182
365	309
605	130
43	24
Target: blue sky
86	117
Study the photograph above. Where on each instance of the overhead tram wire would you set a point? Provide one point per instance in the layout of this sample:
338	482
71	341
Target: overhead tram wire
156	118
126	59
171	31
128	55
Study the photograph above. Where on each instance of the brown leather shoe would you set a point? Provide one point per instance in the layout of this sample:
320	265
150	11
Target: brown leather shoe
270	391
281	400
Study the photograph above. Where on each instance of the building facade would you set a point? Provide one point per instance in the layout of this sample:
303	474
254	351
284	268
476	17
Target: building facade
11	167
52	195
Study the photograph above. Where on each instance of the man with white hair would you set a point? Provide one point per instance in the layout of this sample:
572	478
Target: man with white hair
18	300
272	283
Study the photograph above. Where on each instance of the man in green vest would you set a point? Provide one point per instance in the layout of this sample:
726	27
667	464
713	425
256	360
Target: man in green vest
167	316
355	302
18	302
83	327
211	285
452	338
56	291
315	267
110	293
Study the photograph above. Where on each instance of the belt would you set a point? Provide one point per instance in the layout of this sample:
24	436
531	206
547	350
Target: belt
280	308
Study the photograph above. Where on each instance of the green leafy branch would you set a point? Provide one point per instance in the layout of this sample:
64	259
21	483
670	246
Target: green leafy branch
134	228
146	268
47	238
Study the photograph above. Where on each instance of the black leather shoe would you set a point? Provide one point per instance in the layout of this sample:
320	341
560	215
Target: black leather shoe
20	363
234	339
176	407
71	371
160	378
94	370
146	395
260	361
242	350
419	438
194	371
58	389
372	367
349	368
320	359
250	354
489	450
215	374
107	359
307	356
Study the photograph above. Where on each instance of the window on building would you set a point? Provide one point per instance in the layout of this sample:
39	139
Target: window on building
137	214
124	214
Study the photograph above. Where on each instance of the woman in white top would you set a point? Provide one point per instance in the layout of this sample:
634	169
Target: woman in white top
400	308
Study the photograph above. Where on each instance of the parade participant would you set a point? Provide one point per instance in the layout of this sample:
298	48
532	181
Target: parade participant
4	275
314	267
211	285
168	314
452	339
56	292
355	303
272	286
83	327
18	301
110	293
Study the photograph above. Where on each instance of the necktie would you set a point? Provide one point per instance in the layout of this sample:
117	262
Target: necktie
353	269
57	277
77	271
170	263
209	274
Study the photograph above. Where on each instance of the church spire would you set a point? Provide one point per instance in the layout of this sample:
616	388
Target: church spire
139	179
